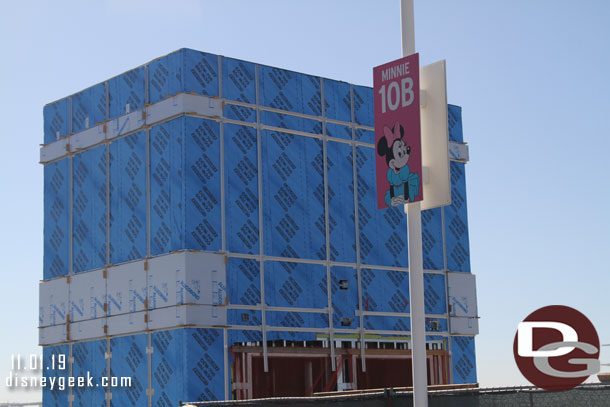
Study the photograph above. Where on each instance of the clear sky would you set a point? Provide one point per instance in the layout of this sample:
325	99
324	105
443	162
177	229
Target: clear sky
531	76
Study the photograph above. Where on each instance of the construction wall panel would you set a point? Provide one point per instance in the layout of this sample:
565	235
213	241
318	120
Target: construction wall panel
126	288
129	359
463	359
363	106
56	259
165	76
200	72
344	291
288	90
244	317
455	123
89	360
341	217
436	324
186	278
241	113
295	285
292	336
382	323
187	364
435	294
53	368
185	70
456	222
243	281
203	221
293	196
127	92
432	239
337	100
89	170
365	136
338	131
238	81
241	189
297	319
167	187
54	297
385	290
89	107
56	120
286	121
87	296
128	198
236	337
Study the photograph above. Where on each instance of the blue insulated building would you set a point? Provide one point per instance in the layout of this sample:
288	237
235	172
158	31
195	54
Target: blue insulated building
211	232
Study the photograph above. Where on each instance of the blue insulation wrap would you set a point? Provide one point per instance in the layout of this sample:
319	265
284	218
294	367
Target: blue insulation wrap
436	325
432	239
383	233
200	72
238	81
341	217
463	359
129	359
286	121
127	92
244	317
381	323
243	282
293	196
287	90
456	222
239	84
128	198
241	113
293	336
455	123
337	100
165	76
338	131
89	107
166	187
185	70
89	360
297	319
187	364
363	106
344	291
56	117
89	209
434	294
385	291
202	184
295	285
55	365
56	219
185	185
239	336
365	136
241	189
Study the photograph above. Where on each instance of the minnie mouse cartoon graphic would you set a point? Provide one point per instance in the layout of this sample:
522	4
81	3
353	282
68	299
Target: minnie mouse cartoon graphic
404	185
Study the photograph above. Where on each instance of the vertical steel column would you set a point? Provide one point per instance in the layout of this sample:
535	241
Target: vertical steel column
260	219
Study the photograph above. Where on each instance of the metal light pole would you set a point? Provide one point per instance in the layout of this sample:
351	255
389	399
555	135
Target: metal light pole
416	269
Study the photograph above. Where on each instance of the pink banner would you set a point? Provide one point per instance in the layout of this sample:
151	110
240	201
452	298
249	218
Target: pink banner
397	132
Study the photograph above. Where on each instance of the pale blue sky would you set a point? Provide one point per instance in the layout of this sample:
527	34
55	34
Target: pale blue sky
531	76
